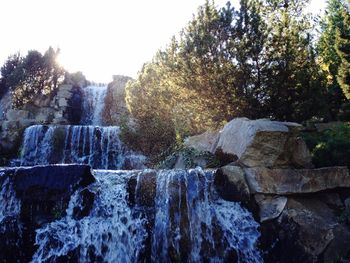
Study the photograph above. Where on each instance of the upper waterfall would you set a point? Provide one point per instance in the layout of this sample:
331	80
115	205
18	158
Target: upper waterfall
93	105
100	147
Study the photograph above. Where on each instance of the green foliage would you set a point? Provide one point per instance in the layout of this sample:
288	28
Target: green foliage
32	75
329	59
331	147
256	62
343	50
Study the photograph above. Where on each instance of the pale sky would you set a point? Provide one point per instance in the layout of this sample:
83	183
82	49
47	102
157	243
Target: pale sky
101	38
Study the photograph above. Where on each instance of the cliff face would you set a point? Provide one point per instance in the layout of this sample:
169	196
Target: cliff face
62	108
115	106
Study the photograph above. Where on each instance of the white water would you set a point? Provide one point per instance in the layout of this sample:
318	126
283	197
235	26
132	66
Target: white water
191	224
10	206
99	147
93	105
112	231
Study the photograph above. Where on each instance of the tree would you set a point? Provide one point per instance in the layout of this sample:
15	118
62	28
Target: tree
343	50
293	91
32	75
329	58
249	50
11	73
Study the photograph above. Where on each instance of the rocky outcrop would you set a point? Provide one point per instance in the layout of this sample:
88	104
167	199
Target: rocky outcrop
63	108
115	109
257	143
36	197
303	212
296	181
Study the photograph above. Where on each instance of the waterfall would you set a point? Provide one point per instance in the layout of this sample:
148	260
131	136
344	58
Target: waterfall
97	146
93	104
10	206
188	222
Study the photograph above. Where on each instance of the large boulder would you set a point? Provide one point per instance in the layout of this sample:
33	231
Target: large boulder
32	197
205	142
257	143
231	184
262	142
296	181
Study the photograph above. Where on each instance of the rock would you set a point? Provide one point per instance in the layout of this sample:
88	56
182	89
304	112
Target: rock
270	207
257	143
16	115
115	108
65	94
347	207
314	223
41	101
296	181
231	185
142	188
62	102
43	193
203	142
339	247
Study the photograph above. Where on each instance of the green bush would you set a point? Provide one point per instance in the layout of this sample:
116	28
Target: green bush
330	147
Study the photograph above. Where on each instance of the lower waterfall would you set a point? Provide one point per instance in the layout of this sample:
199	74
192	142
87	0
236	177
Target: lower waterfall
164	216
100	147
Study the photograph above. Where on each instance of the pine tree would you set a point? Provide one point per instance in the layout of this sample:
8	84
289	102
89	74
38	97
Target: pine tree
292	94
343	50
329	58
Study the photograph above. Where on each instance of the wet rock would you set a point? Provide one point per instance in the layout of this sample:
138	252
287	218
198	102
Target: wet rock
308	230
43	193
296	181
270	207
142	188
231	184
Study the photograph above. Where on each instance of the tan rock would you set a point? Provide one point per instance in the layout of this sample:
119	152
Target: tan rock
296	181
15	115
205	142
62	102
257	143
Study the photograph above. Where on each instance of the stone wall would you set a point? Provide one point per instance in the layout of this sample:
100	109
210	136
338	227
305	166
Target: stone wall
62	108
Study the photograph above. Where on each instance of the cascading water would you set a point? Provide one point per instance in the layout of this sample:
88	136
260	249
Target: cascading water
186	222
93	104
100	147
9	205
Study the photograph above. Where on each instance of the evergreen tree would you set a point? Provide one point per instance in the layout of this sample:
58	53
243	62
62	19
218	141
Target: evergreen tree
329	59
249	50
291	89
343	50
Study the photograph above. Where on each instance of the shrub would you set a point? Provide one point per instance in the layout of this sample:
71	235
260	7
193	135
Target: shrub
331	147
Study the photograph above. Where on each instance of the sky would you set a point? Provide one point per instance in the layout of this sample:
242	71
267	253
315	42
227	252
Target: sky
101	38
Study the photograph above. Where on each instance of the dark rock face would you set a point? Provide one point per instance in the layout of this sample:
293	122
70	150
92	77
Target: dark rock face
309	229
42	194
74	110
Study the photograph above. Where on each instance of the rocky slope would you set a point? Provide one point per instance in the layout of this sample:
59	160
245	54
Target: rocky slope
304	212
